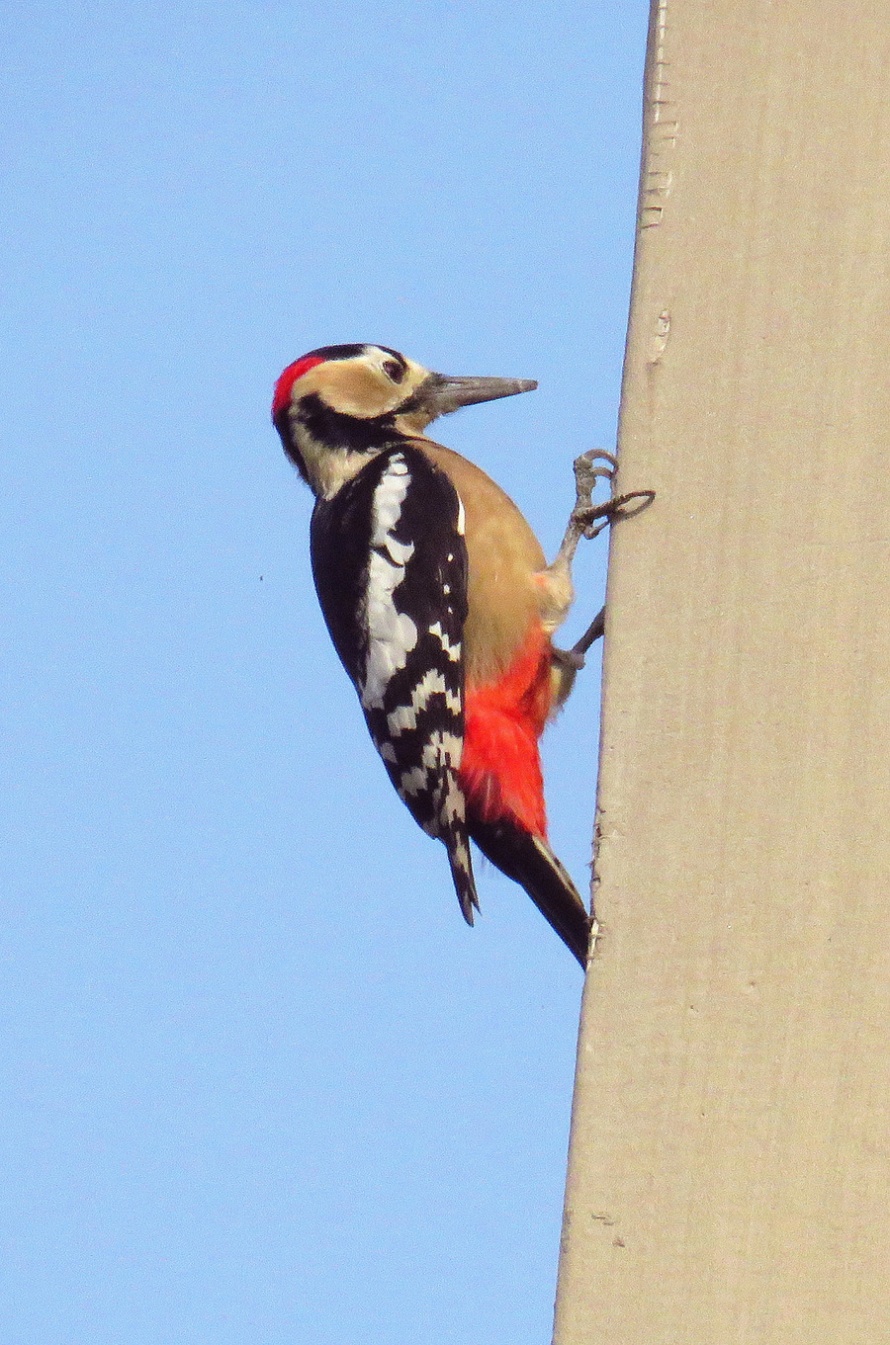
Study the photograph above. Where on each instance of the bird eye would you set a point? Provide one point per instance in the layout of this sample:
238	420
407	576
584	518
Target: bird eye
393	370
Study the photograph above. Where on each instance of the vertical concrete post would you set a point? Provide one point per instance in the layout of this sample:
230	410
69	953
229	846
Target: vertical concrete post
729	1176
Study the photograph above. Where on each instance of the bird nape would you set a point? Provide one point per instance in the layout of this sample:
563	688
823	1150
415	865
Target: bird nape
442	607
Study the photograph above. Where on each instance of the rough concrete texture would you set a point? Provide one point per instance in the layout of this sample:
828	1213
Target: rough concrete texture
729	1177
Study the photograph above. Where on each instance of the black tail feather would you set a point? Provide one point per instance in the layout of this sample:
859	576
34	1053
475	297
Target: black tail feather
529	861
458	847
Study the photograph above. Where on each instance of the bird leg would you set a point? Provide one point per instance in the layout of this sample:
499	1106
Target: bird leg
588	520
595	631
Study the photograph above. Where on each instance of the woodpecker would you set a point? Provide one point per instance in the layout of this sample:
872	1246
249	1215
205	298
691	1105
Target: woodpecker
441	606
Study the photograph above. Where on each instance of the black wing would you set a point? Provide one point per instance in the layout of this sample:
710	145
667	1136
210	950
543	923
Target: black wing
390	567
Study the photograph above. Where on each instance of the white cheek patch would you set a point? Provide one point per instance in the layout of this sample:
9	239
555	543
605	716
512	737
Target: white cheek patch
391	634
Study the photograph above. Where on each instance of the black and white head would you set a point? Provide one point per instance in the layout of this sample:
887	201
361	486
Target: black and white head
338	406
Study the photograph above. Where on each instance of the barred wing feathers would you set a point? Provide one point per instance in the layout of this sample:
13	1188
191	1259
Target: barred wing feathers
405	655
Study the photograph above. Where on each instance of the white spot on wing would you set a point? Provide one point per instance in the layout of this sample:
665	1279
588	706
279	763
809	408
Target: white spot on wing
405	716
399	552
401	719
452	650
440	759
391	634
413	781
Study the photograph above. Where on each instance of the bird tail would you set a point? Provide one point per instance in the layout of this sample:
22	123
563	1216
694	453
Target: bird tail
529	861
458	846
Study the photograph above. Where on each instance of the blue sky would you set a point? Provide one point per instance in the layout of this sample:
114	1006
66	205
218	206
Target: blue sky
260	1082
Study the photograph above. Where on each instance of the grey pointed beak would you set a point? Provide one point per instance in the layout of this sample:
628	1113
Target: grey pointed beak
440	394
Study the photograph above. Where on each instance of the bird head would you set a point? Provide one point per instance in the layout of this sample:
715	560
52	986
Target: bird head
339	406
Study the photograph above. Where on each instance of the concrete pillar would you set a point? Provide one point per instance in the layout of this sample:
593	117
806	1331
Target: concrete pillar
729	1176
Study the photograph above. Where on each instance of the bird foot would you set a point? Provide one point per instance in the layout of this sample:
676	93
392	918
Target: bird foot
588	519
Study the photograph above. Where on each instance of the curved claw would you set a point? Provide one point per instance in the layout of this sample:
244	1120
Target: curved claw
593	455
620	502
617	508
590	467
